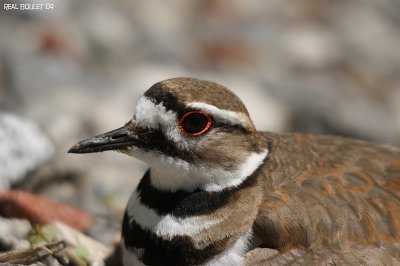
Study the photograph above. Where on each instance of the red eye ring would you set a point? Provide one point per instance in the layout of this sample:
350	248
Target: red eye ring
202	119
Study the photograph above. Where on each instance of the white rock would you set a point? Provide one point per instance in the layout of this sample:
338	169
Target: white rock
97	252
22	148
13	233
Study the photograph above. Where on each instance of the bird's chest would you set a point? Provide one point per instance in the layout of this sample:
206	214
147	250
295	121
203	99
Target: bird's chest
181	228
177	234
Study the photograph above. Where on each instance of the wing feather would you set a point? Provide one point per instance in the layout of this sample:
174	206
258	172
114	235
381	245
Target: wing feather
329	192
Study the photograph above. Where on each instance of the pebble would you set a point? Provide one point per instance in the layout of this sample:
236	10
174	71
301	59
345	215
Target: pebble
23	147
13	233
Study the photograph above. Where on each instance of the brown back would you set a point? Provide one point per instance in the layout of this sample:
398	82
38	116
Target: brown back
329	192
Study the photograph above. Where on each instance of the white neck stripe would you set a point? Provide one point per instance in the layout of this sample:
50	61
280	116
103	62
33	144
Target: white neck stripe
165	226
173	174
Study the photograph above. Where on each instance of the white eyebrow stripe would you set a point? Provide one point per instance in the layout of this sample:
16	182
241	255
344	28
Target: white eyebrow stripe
234	118
151	115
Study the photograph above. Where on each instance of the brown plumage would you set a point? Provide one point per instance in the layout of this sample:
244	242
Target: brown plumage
333	197
309	200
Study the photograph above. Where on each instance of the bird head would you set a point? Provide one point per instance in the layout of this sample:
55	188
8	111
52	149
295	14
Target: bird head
193	133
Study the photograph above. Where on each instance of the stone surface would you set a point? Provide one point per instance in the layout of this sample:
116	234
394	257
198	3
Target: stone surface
23	147
13	233
96	251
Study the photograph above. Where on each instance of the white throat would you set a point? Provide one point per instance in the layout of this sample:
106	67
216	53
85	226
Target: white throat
173	174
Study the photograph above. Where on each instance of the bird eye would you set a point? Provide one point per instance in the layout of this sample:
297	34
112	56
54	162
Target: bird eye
195	123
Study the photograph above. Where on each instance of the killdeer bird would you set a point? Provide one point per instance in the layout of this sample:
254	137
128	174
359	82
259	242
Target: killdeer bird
216	186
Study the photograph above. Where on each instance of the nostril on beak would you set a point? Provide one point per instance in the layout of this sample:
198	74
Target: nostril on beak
119	136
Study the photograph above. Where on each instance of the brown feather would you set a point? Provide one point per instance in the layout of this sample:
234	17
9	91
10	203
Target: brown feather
329	192
386	254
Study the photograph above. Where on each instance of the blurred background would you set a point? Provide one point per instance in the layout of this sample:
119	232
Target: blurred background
329	67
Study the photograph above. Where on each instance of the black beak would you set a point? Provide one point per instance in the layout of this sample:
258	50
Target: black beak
118	139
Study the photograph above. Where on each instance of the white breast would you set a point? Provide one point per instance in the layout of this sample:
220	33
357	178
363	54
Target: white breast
231	257
234	255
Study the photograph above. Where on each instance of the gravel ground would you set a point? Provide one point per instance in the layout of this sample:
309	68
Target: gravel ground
329	67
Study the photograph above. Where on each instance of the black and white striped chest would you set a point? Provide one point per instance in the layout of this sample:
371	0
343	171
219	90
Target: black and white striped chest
187	228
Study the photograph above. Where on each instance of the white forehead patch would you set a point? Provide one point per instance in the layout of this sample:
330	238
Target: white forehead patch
151	115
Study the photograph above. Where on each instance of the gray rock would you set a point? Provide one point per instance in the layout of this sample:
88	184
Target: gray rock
13	233
22	148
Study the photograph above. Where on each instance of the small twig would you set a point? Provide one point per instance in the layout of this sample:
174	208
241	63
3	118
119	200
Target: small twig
75	259
32	255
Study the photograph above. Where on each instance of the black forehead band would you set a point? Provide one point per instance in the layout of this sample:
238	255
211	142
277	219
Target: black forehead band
160	96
